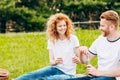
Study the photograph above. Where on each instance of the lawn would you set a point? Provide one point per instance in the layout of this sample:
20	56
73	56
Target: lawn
24	52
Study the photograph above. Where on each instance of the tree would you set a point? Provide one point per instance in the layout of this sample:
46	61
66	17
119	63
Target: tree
5	5
31	15
23	13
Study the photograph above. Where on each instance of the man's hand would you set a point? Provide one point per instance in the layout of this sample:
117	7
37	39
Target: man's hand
92	70
83	54
83	50
75	59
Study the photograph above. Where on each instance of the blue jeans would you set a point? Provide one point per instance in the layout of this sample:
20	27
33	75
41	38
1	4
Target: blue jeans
47	73
92	78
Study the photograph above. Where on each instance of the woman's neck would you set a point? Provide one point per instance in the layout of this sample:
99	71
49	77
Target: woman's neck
62	37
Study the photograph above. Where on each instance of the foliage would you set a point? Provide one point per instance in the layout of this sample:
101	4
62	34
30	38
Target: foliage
25	17
83	10
31	15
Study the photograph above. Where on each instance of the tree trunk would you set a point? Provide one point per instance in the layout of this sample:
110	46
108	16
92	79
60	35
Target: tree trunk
2	26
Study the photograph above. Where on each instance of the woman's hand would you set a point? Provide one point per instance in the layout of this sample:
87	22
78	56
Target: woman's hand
76	59
59	61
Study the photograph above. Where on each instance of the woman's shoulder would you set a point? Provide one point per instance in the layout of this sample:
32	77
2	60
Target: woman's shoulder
72	37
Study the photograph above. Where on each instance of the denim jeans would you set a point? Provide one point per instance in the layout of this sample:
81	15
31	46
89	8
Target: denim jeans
92	78
47	73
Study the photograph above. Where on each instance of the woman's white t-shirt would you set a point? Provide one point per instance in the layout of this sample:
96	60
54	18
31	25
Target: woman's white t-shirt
65	49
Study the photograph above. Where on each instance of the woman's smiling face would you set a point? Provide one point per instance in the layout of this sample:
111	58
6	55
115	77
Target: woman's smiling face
61	27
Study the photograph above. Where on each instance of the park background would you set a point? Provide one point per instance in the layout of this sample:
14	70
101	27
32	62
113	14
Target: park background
23	39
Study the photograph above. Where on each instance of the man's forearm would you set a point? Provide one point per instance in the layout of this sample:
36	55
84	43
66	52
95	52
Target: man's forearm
83	59
111	73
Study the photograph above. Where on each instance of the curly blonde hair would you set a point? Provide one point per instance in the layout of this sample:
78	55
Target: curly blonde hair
52	33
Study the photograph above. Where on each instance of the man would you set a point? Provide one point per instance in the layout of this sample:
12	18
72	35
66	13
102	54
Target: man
106	47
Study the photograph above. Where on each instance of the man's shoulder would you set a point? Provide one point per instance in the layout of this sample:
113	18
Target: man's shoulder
101	37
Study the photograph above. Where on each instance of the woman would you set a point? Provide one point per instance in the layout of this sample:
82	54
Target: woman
62	46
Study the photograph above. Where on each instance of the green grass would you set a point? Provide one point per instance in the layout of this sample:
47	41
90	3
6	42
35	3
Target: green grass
24	52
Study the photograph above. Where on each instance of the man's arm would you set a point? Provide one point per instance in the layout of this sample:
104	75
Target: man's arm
84	54
111	73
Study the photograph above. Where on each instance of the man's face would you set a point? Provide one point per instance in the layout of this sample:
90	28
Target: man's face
105	27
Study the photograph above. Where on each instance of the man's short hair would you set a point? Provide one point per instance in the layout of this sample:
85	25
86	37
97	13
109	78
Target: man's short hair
111	16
